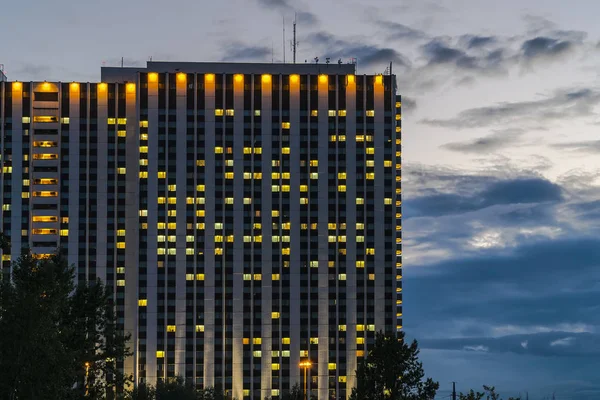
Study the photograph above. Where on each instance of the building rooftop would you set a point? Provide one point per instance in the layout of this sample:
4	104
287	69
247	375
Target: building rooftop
118	74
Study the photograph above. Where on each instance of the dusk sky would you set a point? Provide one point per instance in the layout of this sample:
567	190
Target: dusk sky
500	174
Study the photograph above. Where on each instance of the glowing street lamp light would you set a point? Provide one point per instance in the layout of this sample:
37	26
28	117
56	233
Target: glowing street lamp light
306	365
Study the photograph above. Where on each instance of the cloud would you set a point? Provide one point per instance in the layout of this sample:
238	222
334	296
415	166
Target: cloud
548	344
397	31
368	56
568	341
516	191
240	52
488	144
545	47
475	41
285	6
408	104
562	104
587	146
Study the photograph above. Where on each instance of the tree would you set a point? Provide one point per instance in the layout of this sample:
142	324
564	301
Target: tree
489	392
50	330
392	371
295	393
176	389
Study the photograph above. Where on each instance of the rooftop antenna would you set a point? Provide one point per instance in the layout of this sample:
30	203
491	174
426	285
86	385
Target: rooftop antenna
316	60
284	39
121	62
272	52
294	42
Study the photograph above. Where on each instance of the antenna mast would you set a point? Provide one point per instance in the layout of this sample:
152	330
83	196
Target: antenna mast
284	39
294	42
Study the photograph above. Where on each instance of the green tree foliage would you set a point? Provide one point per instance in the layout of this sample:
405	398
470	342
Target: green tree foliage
392	371
489	393
50	328
295	393
175	389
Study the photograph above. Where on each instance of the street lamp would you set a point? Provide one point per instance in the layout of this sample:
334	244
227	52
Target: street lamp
87	368
306	365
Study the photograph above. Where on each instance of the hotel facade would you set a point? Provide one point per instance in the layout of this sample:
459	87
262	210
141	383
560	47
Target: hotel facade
246	216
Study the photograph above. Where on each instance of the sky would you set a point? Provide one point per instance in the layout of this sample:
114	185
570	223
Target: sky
501	189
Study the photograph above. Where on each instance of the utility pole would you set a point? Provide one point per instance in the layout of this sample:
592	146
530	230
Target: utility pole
453	390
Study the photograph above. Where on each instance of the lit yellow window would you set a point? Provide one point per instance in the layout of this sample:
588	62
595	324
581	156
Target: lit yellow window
143	124
199	328
121	171
143	149
360	201
360	264
285	150
304	188
122	121
121	133
45	143
341	175
341	113
144	162
314	340
370	113
45	193
256	353
314	175
143	175
47	156
229	112
121	232
218	150
333	138
342	328
218	251
171	328
370	175
332	366
275	213
160	354
275	315
120	245
258	150
314	113
285	251
199	277
172	188
228	175
285	125
341	188
370	251
387	201
121	282
200	163
64	232
370	150
45	219
257	113
26	120
218	112
162	174
257	340
172	225
331	239
314	163
360	239
142	302
257	175
342	277
45	181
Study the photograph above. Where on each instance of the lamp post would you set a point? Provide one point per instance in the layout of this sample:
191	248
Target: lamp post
306	365
87	369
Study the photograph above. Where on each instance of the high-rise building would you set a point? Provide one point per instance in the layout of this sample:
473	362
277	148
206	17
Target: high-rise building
246	216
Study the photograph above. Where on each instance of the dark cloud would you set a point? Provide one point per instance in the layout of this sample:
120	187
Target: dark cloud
285	6
408	104
517	191
241	52
488	144
440	52
397	31
474	41
545	47
564	104
368	56
546	344
588	146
